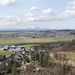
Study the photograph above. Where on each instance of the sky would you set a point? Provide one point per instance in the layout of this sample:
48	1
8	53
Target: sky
51	14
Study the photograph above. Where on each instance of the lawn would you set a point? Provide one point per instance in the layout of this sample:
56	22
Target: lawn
22	40
6	53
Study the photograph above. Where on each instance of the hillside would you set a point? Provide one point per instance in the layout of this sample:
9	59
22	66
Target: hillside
67	48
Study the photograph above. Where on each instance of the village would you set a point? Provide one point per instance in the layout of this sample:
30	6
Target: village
29	59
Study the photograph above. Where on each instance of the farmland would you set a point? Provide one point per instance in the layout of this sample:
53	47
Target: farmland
23	40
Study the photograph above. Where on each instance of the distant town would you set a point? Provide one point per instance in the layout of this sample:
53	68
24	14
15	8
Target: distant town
38	33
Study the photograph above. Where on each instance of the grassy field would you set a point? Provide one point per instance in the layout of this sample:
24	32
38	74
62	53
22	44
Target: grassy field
30	45
69	55
6	53
22	40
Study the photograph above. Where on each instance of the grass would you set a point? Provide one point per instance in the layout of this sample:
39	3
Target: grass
6	53
18	67
28	46
70	56
22	40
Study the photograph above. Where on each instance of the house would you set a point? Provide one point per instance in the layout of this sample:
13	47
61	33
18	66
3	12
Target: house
23	52
18	58
20	47
5	49
27	66
2	48
12	48
32	49
36	69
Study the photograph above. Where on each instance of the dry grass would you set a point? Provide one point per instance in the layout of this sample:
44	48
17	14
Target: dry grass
70	57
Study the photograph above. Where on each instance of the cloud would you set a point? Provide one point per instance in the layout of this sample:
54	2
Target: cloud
6	21
73	7
34	8
48	11
71	3
5	3
29	14
46	15
67	14
33	19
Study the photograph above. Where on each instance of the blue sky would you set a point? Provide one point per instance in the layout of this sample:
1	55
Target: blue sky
53	14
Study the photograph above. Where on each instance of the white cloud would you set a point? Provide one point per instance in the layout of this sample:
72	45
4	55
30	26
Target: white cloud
7	2
73	7
6	21
34	8
45	15
71	3
33	19
29	14
48	11
67	14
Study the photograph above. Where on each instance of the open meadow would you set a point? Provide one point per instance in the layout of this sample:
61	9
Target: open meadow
23	40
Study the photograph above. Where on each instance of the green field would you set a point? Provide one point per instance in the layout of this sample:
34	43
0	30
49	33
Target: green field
6	53
30	45
23	40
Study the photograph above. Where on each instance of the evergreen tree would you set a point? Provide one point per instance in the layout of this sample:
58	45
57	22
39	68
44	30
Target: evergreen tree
27	59
4	57
37	56
41	60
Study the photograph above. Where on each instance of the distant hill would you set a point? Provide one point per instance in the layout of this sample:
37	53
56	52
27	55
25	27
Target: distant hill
27	29
35	29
